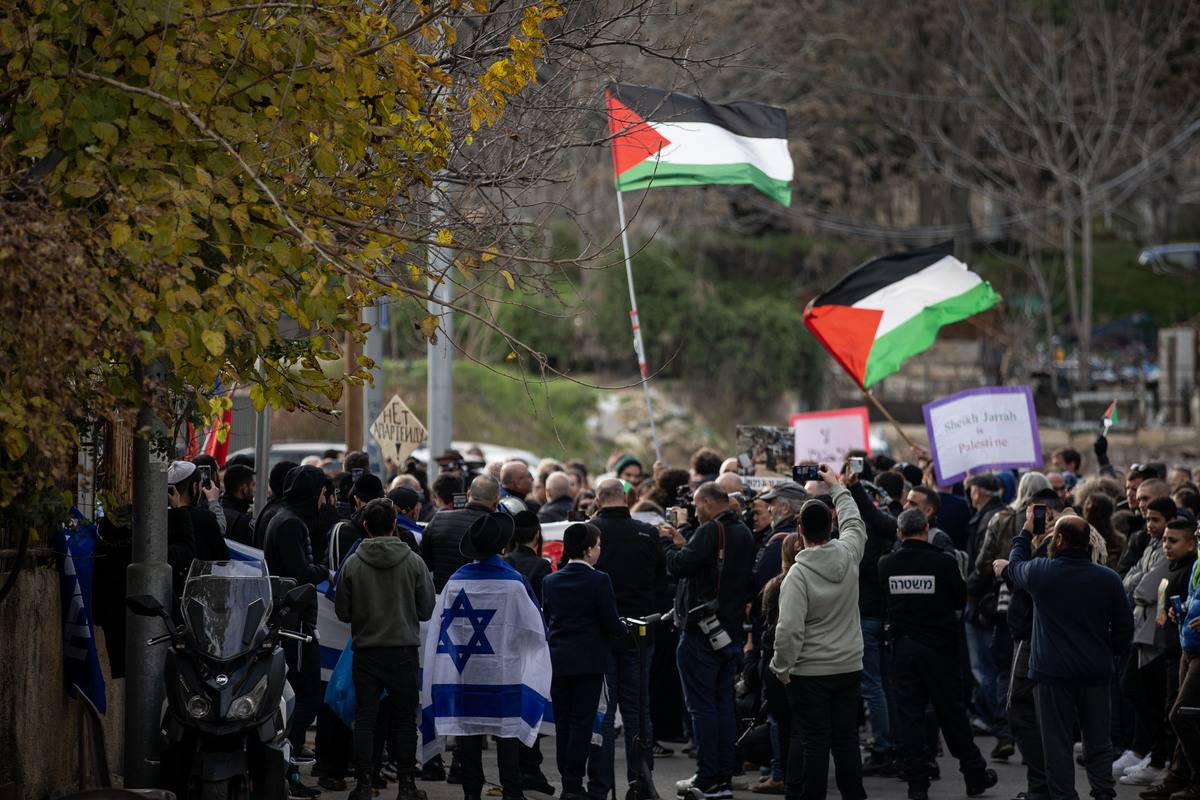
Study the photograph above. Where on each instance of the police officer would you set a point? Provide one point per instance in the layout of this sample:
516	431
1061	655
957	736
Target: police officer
924	595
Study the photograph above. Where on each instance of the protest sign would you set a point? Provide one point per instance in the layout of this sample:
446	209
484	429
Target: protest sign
397	430
769	450
824	437
978	429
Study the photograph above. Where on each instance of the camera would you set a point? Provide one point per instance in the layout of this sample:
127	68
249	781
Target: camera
854	466
803	473
683	501
705	616
205	476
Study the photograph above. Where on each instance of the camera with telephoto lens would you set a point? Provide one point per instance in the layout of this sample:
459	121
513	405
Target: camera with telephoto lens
705	617
683	500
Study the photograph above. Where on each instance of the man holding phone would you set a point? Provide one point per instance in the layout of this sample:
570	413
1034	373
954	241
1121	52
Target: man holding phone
1045	507
1081	623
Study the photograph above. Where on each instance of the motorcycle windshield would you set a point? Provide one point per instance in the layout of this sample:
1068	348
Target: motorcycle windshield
225	607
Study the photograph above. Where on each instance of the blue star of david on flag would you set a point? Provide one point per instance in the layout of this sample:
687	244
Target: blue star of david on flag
478	644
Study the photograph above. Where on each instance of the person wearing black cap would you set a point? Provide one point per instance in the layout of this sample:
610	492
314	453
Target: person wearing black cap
923	593
525	552
274	504
408	510
783	500
344	534
582	624
287	550
483	541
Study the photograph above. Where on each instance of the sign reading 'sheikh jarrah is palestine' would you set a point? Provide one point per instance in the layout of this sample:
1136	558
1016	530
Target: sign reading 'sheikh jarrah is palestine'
980	429
397	430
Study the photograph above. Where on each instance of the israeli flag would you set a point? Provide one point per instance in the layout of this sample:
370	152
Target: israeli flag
485	666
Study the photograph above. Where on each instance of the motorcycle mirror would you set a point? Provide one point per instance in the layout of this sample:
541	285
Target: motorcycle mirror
144	605
300	596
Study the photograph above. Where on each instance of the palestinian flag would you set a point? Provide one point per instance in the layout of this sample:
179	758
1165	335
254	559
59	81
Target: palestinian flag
663	138
890	309
1110	416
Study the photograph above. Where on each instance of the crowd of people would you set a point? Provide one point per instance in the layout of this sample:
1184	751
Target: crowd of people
863	616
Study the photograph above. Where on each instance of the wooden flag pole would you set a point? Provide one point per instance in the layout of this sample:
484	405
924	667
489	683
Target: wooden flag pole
883	410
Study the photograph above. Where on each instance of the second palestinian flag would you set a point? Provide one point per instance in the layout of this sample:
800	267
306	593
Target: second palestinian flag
663	138
890	309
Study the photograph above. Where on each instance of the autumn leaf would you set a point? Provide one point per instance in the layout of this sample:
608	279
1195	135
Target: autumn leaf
214	342
508	278
428	327
119	234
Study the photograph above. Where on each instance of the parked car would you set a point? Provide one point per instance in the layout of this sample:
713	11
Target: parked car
1172	259
298	451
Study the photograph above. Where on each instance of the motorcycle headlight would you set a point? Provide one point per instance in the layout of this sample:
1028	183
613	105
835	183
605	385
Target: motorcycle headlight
198	706
248	704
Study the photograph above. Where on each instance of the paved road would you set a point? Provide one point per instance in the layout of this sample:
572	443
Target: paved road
677	767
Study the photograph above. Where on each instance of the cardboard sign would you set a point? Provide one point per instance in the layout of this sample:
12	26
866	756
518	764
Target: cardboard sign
397	430
768	450
981	429
825	437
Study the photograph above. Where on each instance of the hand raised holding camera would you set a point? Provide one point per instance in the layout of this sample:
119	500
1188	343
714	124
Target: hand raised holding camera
824	473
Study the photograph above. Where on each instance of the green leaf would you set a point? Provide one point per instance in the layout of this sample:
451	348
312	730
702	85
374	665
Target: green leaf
106	132
214	342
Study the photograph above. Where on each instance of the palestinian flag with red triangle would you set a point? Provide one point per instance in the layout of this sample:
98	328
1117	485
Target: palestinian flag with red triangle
890	309
663	138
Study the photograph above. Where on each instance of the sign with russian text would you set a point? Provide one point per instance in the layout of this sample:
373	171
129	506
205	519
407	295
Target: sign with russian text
981	429
825	437
397	430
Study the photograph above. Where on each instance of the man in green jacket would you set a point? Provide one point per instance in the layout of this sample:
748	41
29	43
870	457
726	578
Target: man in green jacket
385	592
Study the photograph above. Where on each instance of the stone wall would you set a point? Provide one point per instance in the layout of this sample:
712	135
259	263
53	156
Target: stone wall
39	724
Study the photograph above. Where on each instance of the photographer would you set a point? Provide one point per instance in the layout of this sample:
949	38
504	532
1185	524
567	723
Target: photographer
715	571
819	646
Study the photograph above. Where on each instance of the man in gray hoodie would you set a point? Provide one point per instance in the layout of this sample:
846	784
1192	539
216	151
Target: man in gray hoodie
819	647
385	592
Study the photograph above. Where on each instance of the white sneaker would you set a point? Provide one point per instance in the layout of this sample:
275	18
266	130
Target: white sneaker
1144	776
1128	759
1141	764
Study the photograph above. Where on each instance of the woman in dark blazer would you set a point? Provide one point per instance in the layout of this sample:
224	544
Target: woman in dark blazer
582	623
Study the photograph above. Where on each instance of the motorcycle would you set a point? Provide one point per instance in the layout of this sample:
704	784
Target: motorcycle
228	703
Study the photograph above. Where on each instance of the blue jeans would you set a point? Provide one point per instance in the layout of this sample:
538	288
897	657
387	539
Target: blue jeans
621	682
708	677
872	684
988	691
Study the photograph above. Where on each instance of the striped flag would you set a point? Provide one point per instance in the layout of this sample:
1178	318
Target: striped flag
485	665
663	138
890	309
1110	416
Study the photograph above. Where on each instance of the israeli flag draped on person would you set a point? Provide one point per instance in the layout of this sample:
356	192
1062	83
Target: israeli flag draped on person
485	662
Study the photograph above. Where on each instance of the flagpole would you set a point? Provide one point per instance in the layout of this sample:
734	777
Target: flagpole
883	410
638	346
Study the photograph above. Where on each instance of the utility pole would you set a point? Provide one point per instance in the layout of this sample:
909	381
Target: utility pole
374	315
147	573
354	398
440	383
